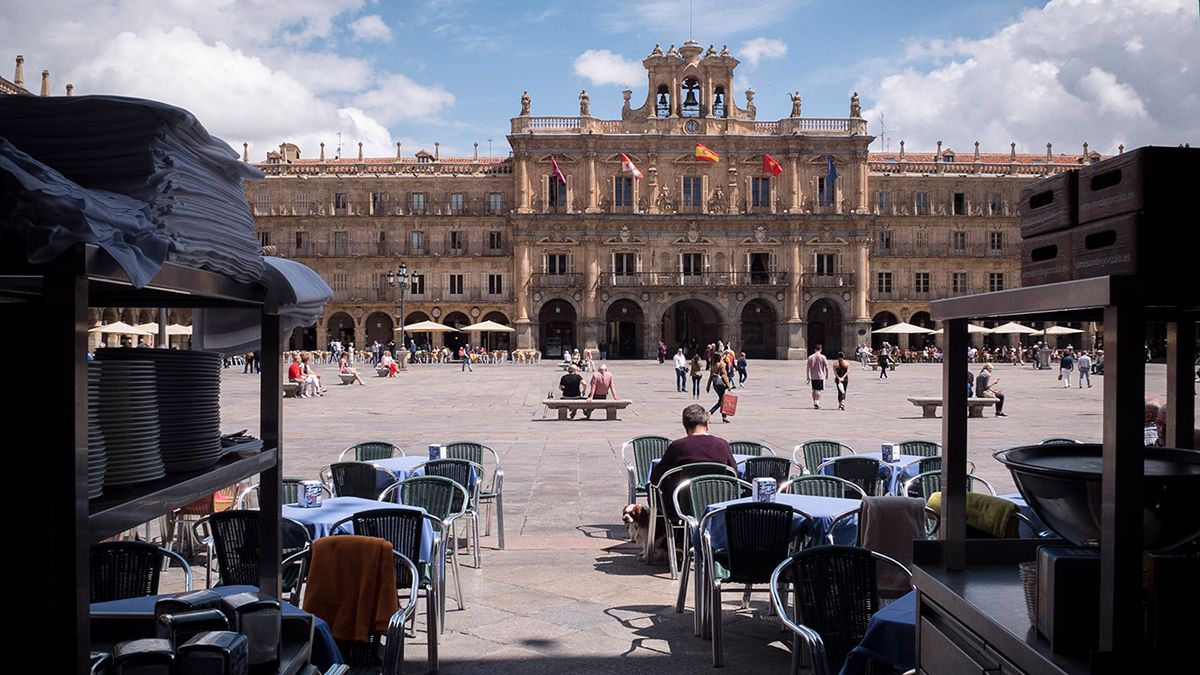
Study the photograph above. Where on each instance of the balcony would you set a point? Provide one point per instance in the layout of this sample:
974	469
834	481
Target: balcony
837	280
708	279
943	251
543	280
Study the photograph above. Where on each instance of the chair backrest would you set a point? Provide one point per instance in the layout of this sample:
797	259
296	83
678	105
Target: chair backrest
369	451
441	497
811	454
919	448
824	486
862	471
359	479
645	449
248	499
758	536
929	464
236	542
667	484
128	569
473	451
694	495
753	448
1060	441
404	528
778	468
457	470
925	484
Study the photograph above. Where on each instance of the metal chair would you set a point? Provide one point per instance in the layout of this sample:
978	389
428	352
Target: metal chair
927	464
697	495
671	520
862	471
919	448
778	468
834	595
469	475
753	448
492	490
1060	441
369	451
925	484
817	451
233	541
357	479
822	486
758	536
248	498
129	569
933	520
642	450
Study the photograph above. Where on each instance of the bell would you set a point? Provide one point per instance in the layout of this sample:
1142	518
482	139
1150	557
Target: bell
690	100
662	99
719	99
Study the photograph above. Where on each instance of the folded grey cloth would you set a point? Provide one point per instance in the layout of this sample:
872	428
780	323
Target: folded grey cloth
889	525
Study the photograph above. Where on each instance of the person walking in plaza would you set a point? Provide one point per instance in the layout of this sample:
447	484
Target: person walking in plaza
1085	369
662	351
816	372
681	368
884	359
465	356
841	379
1066	364
601	386
697	367
741	369
718	380
985	387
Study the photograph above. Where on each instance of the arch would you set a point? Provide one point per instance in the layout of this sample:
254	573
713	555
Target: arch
662	101
758	329
625	329
693	97
824	319
303	338
147	316
129	316
720	108
692	323
556	320
882	320
456	340
496	341
923	320
379	326
110	315
340	327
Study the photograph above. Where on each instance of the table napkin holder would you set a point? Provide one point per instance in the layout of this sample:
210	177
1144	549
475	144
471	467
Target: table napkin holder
887	453
183	626
309	494
101	664
258	617
150	656
764	489
213	653
186	602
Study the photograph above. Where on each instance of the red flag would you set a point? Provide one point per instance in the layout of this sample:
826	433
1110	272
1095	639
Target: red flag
554	171
771	166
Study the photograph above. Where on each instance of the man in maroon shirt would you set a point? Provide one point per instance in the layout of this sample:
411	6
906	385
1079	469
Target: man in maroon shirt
696	446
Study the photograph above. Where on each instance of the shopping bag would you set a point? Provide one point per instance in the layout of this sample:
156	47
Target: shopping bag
729	404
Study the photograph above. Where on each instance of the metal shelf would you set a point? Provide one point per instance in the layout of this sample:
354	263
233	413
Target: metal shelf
1082	299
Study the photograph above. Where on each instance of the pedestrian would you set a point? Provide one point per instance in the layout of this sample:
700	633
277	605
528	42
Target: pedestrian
257	360
697	368
465	356
816	371
741	369
841	378
681	368
884	359
1065	365
600	386
1085	369
985	387
718	381
662	351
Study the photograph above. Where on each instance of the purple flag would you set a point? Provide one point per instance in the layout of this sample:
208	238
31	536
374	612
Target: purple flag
556	172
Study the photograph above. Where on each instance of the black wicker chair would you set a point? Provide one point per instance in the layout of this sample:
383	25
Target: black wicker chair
919	448
636	454
778	468
823	486
692	498
357	479
1060	441
751	448
469	475
662	510
862	471
492	490
233	541
834	594
816	452
445	500
248	499
925	484
129	569
368	451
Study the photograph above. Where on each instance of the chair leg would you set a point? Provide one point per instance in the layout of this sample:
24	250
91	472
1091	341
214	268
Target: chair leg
500	518
683	580
458	584
746	597
475	537
487	518
648	547
715	604
431	617
671	548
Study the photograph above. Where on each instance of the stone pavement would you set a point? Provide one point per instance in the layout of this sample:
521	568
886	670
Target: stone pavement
568	594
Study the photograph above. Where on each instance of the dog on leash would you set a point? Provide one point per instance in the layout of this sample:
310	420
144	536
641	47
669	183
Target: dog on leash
637	518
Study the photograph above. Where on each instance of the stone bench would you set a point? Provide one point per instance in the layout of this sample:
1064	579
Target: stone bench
291	389
891	365
347	378
382	372
565	405
929	406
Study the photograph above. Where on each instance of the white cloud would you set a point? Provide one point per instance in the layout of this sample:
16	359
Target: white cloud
1053	75
370	27
760	49
600	66
399	98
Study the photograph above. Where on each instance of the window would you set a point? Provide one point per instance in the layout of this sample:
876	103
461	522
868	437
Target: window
339	281
456	241
340	200
958	240
921	237
823	263
416	284
416	242
381	244
378	203
495	284
885	202
826	194
883	282
624	264
996	241
921	282
960	203
557	194
885	240
264	238
262	205
495	203
995	281
948	157
556	263
921	203
341	243
958	283
623	191
457	202
760	192
456	284
301	204
302	241
693	191
417	203
691	264
995	204
495	240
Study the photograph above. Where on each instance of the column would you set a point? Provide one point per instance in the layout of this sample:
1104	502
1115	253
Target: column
794	339
589	323
863	197
522	183
794	192
862	275
591	183
521	286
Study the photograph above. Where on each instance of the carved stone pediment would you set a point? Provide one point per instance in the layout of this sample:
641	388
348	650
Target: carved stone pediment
693	237
561	159
616	158
624	238
827	237
761	238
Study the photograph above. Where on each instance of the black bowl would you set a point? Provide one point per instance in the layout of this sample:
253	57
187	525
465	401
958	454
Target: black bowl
1062	484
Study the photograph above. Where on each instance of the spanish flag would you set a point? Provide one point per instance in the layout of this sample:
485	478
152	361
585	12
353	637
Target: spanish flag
703	154
771	166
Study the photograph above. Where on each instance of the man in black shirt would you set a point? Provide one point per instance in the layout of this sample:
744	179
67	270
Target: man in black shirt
696	446
571	385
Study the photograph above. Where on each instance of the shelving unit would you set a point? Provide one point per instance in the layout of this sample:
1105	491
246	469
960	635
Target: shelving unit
972	587
43	322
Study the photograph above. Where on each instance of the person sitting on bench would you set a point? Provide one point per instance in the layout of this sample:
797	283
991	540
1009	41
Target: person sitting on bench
571	386
601	386
985	387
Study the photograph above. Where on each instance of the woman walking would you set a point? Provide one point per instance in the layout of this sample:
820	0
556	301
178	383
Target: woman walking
841	378
697	372
883	361
718	379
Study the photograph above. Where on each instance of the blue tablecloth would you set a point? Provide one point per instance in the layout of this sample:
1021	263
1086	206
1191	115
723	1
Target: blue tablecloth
402	468
325	651
321	519
893	475
736	458
891	639
822	510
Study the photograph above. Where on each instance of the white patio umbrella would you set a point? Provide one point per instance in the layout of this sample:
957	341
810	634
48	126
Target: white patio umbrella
489	327
902	328
428	327
1059	330
121	328
972	329
178	329
1014	327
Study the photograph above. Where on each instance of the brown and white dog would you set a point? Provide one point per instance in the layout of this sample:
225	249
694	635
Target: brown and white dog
637	518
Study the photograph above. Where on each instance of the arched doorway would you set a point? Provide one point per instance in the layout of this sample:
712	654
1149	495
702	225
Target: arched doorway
883	320
824	326
423	341
758	330
625	330
340	327
496	341
557	321
920	341
693	324
303	338
379	327
456	340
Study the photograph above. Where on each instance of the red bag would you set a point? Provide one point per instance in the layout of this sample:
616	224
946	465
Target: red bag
729	404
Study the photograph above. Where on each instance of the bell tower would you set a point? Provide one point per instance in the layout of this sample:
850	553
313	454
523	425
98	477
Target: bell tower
688	82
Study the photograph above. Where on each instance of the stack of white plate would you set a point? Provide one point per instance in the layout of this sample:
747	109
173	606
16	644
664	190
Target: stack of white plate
128	410
96	453
189	403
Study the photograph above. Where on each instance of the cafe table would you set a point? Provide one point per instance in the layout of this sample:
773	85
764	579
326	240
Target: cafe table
404	468
738	459
321	519
821	510
891	639
893	474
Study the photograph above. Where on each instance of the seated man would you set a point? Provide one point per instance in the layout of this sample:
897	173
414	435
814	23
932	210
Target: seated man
571	386
696	446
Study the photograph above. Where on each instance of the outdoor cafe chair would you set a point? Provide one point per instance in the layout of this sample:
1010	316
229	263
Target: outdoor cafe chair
815	452
369	451
862	471
233	542
636	454
932	521
129	569
778	468
492	490
822	486
919	448
469	475
927	464
692	497
753	448
925	484
758	536
672	522
834	594
356	479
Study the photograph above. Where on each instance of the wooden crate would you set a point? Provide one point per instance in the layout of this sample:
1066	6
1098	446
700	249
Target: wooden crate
1156	181
1133	243
1050	204
1046	259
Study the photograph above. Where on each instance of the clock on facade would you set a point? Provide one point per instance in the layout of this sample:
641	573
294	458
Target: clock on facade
691	127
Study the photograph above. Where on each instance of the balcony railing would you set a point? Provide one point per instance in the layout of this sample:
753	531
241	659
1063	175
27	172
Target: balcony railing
836	280
543	280
943	251
391	295
393	248
741	278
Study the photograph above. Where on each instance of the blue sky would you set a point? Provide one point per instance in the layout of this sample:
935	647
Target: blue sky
263	72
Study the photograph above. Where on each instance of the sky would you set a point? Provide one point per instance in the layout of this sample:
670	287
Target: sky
264	72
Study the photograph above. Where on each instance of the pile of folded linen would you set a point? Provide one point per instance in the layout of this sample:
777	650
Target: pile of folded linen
153	152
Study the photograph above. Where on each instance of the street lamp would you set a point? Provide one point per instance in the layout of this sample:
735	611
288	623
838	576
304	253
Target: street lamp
400	277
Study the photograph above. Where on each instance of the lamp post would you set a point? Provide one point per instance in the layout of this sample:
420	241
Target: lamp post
400	277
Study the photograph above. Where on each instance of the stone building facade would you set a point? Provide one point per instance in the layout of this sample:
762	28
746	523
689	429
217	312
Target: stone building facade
841	241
